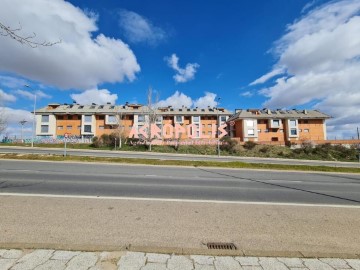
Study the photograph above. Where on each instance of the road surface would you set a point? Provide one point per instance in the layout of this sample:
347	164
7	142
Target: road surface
139	181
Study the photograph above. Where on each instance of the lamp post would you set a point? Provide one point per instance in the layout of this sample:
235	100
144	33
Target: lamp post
218	125
22	123
33	126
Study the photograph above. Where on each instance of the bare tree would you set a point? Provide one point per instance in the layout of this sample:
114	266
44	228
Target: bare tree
120	128
151	115
3	120
29	40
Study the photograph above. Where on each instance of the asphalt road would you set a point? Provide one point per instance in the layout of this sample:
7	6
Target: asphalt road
177	183
167	156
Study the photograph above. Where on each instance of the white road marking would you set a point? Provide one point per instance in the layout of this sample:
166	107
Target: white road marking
178	200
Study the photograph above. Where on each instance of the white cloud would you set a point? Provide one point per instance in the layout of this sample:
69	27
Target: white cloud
268	76
13	118
247	94
205	101
12	82
138	29
4	97
178	99
79	61
98	96
30	95
321	56
183	74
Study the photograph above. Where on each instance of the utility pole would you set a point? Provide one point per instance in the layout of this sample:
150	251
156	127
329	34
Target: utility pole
34	116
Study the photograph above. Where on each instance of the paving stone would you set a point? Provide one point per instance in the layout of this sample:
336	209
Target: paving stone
251	261
204	267
272	264
355	264
64	255
315	264
2	251
33	259
5	264
180	263
206	260
336	263
132	261
252	267
299	268
157	258
51	265
12	254
83	261
292	262
226	263
154	266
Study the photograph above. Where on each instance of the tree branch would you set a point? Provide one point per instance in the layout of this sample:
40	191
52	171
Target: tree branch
30	41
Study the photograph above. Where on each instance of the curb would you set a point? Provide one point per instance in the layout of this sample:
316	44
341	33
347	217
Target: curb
181	251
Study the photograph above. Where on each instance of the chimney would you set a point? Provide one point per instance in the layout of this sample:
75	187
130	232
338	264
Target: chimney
268	111
305	111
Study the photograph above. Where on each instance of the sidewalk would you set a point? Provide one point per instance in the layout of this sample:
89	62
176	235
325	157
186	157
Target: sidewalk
43	259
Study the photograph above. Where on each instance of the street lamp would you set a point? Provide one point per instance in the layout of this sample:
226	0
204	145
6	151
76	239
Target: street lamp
218	125
33	126
22	123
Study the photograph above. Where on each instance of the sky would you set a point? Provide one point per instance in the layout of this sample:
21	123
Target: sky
235	54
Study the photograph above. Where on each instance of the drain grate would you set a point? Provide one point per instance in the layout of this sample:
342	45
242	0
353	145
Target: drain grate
226	246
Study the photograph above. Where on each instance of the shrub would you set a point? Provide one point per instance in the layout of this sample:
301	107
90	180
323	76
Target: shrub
249	145
228	145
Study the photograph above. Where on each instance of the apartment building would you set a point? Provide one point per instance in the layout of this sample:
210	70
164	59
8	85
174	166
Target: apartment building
87	121
265	125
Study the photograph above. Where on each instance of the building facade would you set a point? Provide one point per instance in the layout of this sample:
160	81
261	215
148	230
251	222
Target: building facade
135	120
278	125
87	121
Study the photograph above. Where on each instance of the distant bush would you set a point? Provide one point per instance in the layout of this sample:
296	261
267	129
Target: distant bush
228	145
249	145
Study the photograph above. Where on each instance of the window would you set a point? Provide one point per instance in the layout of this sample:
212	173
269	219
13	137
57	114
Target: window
87	128
251	132
209	125
306	130
306	121
209	133
79	117
70	117
101	117
44	128
259	130
141	118
196	119
292	123
45	119
222	118
266	131
281	130
101	127
112	119
293	131
60	117
158	119
79	127
259	121
276	123
300	129
68	127
87	118
249	123
60	127
179	119
273	130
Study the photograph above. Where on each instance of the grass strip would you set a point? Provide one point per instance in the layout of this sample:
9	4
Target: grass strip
189	163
